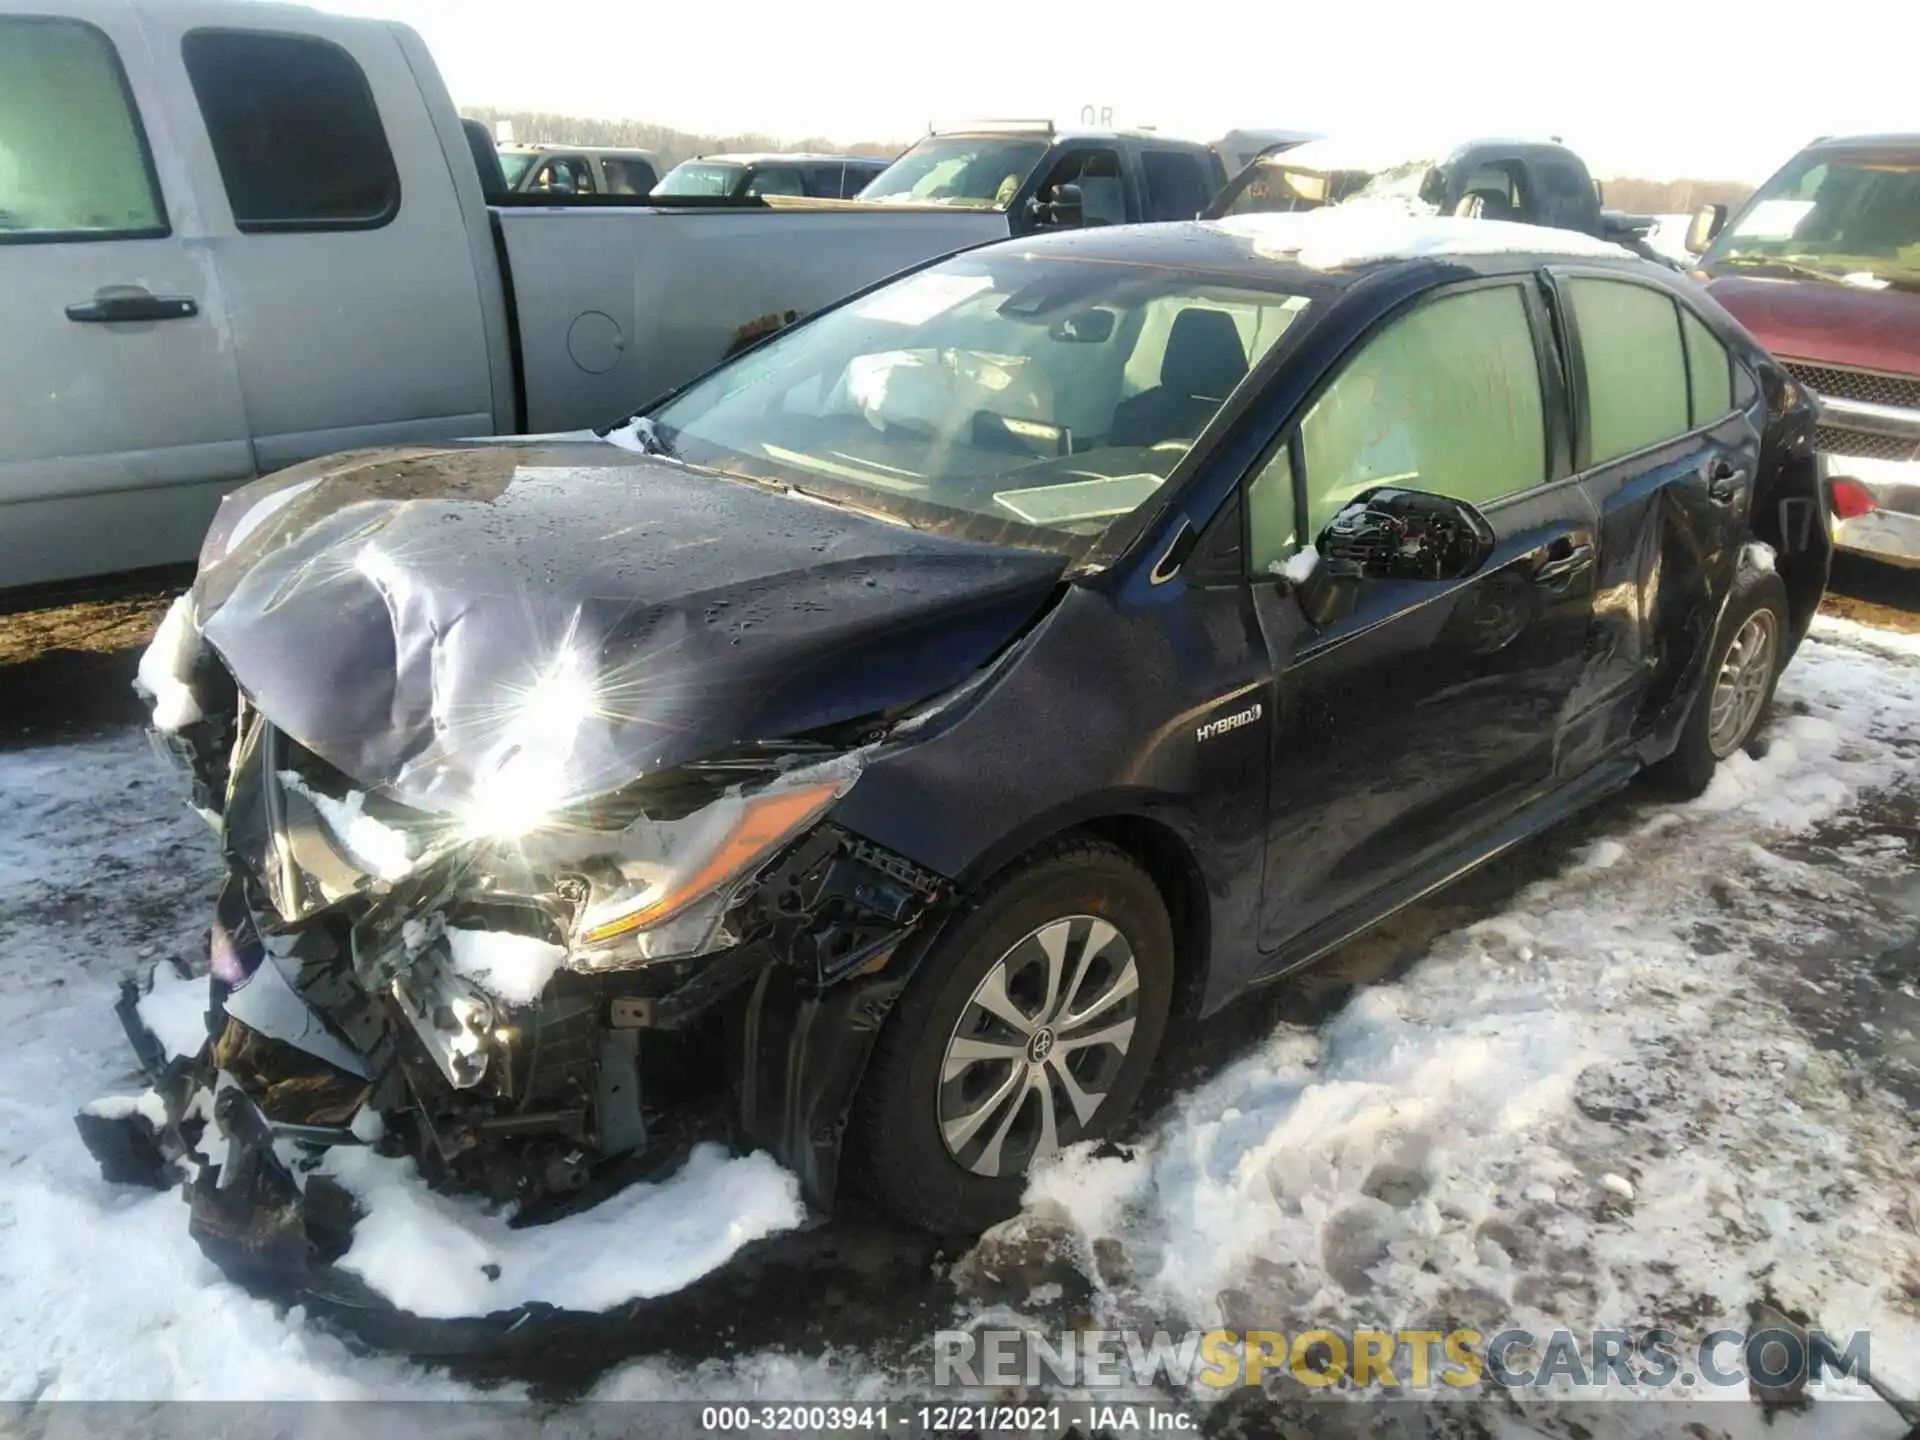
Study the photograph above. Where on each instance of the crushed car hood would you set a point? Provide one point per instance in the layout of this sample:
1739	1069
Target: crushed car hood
422	618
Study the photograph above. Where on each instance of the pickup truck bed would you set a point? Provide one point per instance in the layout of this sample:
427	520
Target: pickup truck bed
280	248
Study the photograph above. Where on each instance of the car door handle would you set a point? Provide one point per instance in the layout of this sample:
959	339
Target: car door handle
1565	561
120	304
1726	482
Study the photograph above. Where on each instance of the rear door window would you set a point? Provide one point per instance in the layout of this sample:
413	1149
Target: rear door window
74	163
295	130
1709	370
1636	372
1178	185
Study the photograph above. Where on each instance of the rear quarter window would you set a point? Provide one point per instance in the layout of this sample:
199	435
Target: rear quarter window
295	131
1709	370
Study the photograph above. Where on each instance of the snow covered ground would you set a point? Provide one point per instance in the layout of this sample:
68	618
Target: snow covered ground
1674	1073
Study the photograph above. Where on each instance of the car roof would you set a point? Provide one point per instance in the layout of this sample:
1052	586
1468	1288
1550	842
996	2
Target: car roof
769	157
551	147
1054	137
1316	248
1883	141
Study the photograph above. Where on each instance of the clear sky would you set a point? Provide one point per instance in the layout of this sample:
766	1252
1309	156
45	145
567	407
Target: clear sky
1689	87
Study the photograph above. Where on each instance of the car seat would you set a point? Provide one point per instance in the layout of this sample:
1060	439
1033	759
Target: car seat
1203	362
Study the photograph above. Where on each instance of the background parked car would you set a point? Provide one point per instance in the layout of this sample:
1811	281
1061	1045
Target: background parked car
736	177
1532	182
1823	264
1041	178
562	170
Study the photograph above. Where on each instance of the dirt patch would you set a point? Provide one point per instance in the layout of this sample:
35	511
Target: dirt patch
66	668
1870	593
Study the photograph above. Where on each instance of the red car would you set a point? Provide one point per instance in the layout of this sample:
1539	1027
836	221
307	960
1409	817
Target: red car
1823	266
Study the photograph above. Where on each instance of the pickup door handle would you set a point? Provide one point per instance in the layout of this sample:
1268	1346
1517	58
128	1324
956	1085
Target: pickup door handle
123	304
1565	561
1725	482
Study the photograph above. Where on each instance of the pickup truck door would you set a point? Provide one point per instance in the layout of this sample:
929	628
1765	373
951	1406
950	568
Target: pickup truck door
356	310
1667	441
1433	713
124	425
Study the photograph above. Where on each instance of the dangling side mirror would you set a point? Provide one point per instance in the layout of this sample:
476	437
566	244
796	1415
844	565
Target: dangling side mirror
1393	534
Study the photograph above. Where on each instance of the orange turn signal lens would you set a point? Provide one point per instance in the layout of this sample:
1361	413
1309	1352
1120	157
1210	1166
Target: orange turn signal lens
765	822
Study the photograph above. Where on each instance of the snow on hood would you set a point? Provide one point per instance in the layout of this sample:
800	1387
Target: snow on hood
424	619
1361	232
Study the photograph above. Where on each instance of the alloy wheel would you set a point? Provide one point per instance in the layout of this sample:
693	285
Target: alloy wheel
1740	689
1038	1045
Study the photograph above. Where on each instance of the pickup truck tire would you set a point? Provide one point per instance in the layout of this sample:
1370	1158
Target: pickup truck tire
1736	689
1042	1004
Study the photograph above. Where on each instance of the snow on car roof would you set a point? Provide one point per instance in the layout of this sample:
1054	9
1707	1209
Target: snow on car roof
1359	233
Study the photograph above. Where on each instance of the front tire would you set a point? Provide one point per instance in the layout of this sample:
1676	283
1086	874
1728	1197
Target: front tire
1736	690
1031	1024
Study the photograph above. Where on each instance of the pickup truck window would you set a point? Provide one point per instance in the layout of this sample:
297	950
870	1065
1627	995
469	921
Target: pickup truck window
1445	399
74	163
1843	217
628	177
1566	198
295	130
1103	194
1636	373
1178	185
978	172
776	180
688	178
986	394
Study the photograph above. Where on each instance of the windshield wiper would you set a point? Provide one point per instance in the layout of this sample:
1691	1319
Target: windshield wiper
839	504
1792	267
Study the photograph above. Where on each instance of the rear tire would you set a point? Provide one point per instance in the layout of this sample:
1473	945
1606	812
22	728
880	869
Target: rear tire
1032	1023
1736	689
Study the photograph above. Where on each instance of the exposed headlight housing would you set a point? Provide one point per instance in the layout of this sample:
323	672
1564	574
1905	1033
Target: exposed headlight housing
660	889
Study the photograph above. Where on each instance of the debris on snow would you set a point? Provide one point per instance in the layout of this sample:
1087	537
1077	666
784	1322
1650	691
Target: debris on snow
149	1105
166	666
175	1010
1618	1184
441	1256
510	967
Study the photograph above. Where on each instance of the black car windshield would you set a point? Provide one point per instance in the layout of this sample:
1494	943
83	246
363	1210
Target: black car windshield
1035	399
695	178
978	172
1852	215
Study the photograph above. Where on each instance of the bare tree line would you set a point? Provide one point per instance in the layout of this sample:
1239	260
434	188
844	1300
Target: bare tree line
1644	197
670	146
1672	197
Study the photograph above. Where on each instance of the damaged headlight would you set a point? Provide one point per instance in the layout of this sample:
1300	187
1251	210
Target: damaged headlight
660	889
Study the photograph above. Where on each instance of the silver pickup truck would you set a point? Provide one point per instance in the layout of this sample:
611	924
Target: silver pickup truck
237	235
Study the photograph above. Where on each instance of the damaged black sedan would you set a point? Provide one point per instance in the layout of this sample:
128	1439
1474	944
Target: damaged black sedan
862	753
